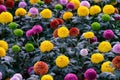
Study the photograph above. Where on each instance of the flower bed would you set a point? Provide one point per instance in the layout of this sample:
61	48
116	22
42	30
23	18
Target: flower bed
59	40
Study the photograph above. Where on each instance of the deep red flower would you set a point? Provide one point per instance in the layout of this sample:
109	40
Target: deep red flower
74	31
10	3
60	21
55	33
47	1
116	62
54	24
1	1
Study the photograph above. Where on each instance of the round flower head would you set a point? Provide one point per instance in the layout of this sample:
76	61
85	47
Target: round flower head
2	52
116	62
70	76
12	25
93	40
55	33
54	24
18	32
74	31
46	46
95	26
29	47
104	46
117	17
0	75
108	34
70	6
90	74
83	11
76	3
30	33
34	1
18	75
37	29
62	61
47	1
15	48
6	17
14	78
63	32
2	8
10	3
46	13
60	21
4	44
88	35
107	67
1	1
116	48
22	4
108	9
47	77
83	52
63	2
105	17
58	7
20	12
95	10
67	15
30	69
97	58
40	68
85	3
33	11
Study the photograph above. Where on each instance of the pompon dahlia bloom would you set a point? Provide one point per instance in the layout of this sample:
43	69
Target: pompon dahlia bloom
4	44
71	76
34	1
6	17
47	1
93	40
97	58
88	35
90	74
74	31
1	1
76	3
83	52
83	11
46	13
18	75
116	62
55	33
107	67
2	52
62	61
54	24
108	34
18	32
105	17
95	10
47	77
58	7
30	33
33	11
60	21
116	48
22	4
2	9
108	9
46	46
10	3
14	78
63	2
0	75
104	46
40	68
29	47
85	3
37	29
20	12
70	6
63	32
95	26
67	15
16	48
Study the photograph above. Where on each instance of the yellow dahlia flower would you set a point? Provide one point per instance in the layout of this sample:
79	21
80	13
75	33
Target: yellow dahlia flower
34	1
88	35
97	58
2	52
4	44
46	13
46	46
95	10
20	12
76	3
6	17
63	32
104	46
108	9
83	11
62	61
67	15
107	67
47	77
